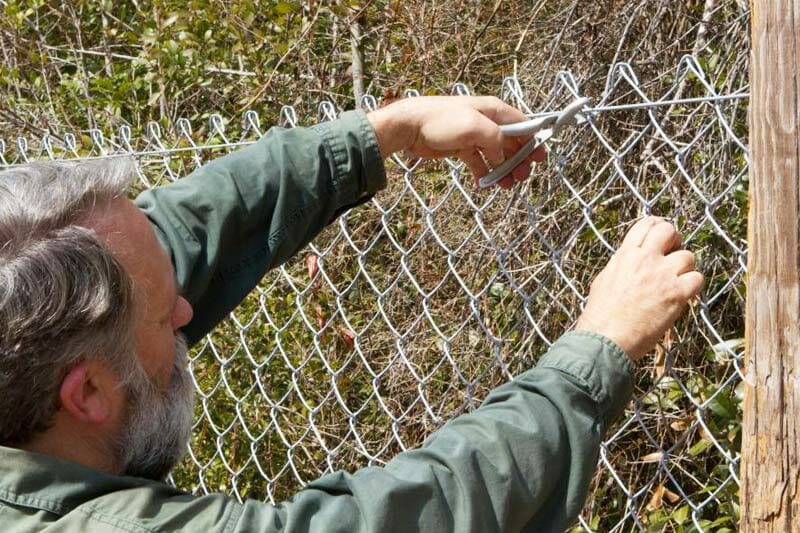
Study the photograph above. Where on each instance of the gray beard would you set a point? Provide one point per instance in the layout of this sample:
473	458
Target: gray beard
157	424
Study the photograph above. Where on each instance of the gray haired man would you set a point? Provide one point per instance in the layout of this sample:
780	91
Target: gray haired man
100	296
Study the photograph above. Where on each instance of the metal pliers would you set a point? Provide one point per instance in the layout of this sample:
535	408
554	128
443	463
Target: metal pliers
542	128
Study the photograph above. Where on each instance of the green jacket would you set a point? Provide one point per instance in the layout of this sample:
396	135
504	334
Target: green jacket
522	461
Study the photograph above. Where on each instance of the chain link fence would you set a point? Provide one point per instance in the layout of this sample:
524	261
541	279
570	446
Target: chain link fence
405	312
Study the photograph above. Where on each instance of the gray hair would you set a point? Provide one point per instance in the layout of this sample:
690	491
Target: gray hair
64	297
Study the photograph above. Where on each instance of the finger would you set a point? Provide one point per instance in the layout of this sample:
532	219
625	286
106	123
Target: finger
506	182
662	238
512	145
638	232
538	155
485	135
690	284
521	172
497	110
475	163
681	261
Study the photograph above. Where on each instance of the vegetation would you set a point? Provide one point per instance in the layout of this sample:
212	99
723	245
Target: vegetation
343	359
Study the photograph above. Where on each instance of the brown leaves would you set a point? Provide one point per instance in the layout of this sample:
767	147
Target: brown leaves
652	457
682	424
661	353
349	337
659	494
312	267
320	316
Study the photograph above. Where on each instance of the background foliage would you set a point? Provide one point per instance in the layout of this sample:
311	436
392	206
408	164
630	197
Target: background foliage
81	63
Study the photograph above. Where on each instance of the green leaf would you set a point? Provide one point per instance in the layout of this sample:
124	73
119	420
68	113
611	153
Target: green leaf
681	514
699	447
284	8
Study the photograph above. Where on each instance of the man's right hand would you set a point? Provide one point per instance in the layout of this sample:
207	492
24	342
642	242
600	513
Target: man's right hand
467	127
643	289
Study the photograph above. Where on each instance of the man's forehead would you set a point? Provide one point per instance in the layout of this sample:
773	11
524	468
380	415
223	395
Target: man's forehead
129	235
118	222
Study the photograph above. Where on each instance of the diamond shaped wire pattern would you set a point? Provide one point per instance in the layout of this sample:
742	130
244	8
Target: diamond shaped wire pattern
405	312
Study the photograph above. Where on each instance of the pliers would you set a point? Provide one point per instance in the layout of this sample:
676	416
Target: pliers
542	128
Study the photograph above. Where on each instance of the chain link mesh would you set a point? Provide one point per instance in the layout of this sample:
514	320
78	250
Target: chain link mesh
405	312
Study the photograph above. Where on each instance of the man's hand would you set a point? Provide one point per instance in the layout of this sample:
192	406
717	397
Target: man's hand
465	127
643	289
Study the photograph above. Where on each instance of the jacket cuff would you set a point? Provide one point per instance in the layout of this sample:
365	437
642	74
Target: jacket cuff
359	168
599	365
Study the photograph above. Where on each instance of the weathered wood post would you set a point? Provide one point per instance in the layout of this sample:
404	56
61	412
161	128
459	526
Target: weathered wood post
770	467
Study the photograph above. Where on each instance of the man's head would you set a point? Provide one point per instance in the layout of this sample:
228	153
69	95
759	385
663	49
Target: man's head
89	320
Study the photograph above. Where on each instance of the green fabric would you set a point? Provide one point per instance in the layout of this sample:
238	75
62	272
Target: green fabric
522	461
233	219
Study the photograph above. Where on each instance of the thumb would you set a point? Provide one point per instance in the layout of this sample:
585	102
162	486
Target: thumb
485	135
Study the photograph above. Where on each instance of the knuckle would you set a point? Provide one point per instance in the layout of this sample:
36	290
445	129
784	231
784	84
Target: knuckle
666	226
645	223
472	122
494	101
684	258
674	298
472	130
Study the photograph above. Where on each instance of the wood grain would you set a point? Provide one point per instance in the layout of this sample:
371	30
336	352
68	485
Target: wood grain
770	461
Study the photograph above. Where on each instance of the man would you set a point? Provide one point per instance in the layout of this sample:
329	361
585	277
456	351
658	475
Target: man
97	293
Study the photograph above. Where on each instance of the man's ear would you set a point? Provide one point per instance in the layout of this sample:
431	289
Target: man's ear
87	393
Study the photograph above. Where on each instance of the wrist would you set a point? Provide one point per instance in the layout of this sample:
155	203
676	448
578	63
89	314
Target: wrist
631	349
394	127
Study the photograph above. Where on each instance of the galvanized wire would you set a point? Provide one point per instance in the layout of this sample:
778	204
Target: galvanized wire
406	311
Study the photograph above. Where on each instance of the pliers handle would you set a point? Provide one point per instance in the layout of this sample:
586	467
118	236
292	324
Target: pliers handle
542	128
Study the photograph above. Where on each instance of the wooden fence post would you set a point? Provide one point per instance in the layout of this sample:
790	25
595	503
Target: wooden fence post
770	467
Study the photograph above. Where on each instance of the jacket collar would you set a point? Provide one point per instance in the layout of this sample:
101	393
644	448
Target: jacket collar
48	483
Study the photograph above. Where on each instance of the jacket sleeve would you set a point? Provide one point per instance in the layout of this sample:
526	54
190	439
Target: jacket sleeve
233	219
521	462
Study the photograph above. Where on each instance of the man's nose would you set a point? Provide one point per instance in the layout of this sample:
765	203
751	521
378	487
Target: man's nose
183	313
